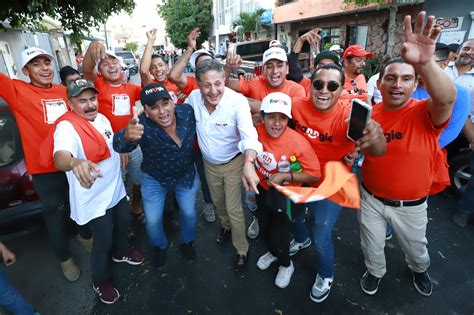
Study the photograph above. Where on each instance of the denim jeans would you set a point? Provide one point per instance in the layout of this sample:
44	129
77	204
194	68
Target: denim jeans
324	214
467	200
206	194
11	299
153	199
133	168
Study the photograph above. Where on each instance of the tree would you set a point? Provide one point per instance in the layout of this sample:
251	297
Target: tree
361	3
75	15
249	22
133	46
181	16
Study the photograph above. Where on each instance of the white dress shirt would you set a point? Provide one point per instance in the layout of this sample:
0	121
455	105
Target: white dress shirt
228	130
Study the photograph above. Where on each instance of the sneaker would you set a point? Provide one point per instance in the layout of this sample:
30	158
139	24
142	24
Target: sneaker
266	260
461	218
369	283
159	258
86	242
321	288
253	229
107	293
388	233
283	276
131	257
208	212
295	247
70	270
423	283
188	251
224	235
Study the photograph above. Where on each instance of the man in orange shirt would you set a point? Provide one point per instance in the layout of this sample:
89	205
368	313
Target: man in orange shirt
396	185
321	120
116	101
355	85
36	107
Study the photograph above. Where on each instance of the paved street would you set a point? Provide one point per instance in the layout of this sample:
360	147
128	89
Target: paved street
209	285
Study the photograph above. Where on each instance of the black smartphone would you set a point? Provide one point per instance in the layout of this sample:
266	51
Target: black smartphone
359	117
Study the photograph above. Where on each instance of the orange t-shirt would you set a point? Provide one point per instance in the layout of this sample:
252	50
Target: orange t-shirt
191	85
306	84
257	88
406	170
348	92
171	88
116	102
35	109
290	143
325	131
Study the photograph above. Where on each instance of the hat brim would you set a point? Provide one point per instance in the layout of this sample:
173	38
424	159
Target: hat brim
366	54
87	88
49	56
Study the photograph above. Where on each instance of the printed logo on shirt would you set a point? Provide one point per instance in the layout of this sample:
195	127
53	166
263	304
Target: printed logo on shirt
120	104
53	109
393	135
221	124
108	134
313	134
266	163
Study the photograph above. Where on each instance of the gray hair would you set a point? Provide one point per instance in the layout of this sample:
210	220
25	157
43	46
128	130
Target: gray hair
208	65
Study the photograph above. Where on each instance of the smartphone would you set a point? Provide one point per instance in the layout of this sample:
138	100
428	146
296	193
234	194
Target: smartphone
359	117
322	34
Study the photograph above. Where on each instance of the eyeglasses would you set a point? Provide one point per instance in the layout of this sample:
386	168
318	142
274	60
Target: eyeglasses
331	85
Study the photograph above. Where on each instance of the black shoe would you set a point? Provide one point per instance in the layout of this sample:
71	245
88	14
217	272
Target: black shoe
159	259
188	251
369	283
423	283
224	235
240	263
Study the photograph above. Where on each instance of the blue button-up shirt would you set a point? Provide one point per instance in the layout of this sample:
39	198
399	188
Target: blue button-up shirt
163	159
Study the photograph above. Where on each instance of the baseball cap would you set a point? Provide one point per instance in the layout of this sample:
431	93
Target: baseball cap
335	48
274	53
274	43
110	53
76	87
30	53
327	54
152	93
276	102
357	51
196	55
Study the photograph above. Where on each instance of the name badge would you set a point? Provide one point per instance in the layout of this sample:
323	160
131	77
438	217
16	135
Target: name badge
53	109
121	105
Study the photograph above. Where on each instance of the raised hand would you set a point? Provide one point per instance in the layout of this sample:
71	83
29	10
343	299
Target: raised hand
419	45
233	61
134	130
151	35
192	38
97	51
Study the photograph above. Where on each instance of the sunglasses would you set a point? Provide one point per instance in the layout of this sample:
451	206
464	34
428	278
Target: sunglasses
331	85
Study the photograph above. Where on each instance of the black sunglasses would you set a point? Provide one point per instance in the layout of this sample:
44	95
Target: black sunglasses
331	85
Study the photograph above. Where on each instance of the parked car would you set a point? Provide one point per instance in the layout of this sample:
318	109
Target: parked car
18	198
459	161
130	60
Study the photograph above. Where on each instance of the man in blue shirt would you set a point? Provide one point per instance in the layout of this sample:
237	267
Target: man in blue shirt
165	133
461	106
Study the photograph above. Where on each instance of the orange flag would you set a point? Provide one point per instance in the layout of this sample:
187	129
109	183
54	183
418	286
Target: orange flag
340	186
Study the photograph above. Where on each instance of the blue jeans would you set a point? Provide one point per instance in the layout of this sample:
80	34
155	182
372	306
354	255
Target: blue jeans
133	168
467	200
153	199
11	299
324	215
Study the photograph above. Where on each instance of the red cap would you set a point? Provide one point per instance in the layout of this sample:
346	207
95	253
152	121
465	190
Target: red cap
357	51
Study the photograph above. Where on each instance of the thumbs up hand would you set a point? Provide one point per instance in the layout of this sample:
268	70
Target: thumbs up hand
134	130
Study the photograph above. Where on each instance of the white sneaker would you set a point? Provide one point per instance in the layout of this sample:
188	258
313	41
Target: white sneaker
321	288
208	212
266	260
295	247
253	229
283	277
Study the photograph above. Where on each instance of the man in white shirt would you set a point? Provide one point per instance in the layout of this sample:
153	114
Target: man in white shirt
229	145
83	149
462	70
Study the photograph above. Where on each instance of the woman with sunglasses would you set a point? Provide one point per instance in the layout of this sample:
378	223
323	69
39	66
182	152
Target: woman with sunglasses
287	159
322	120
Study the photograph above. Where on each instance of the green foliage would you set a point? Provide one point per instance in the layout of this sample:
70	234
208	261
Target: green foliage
361	3
250	22
75	15
133	46
181	16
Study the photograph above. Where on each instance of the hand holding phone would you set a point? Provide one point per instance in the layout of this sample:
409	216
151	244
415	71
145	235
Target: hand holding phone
358	119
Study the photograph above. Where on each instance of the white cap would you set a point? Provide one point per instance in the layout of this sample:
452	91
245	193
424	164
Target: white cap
274	53
111	53
196	54
335	47
274	43
276	102
30	53
122	63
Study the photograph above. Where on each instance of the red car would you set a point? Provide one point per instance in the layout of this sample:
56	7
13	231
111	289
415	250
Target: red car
18	198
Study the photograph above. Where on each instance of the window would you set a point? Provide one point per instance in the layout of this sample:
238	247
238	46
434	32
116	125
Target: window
10	147
357	35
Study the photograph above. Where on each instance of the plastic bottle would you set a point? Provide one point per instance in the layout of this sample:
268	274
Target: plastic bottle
283	165
251	200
